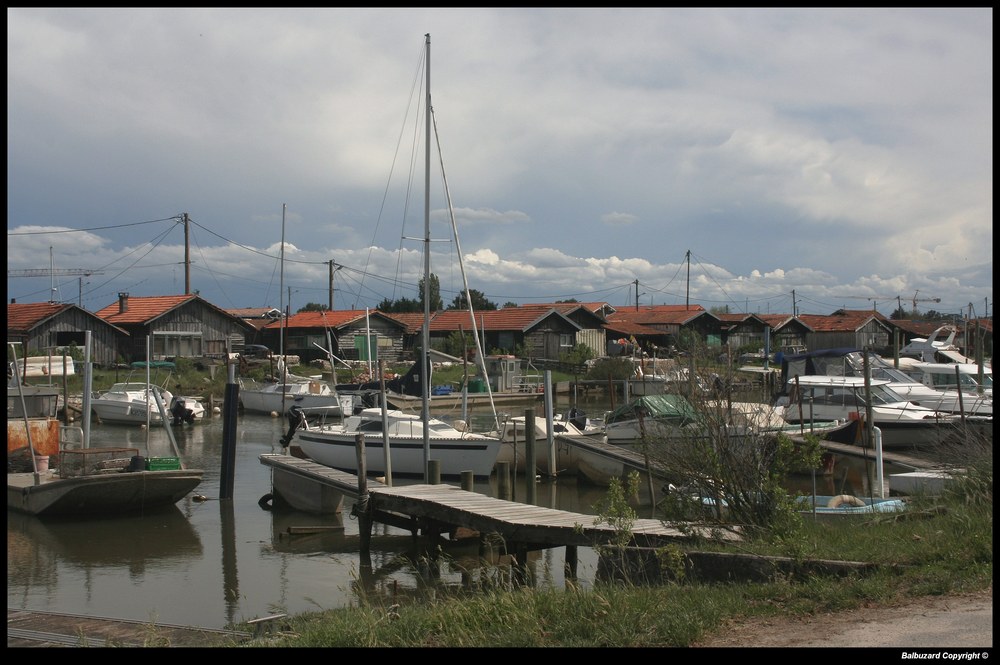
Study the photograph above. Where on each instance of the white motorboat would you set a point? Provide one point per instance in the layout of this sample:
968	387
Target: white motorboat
89	482
952	377
278	397
513	434
128	404
933	388
333	444
902	423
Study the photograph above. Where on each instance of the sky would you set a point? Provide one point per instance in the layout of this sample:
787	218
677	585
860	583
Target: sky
761	160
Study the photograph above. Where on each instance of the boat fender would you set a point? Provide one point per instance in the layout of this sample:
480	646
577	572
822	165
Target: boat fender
844	500
266	502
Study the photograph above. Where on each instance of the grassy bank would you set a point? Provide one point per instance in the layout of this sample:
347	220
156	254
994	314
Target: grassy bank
943	545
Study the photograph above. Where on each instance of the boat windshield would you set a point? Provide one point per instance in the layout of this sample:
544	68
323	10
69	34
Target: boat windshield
946	381
891	374
883	395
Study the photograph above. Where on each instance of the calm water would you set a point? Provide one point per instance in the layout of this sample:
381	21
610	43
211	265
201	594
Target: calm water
216	562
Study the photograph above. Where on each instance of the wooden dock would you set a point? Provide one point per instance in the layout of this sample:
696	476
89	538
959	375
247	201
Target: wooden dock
26	628
633	460
902	460
505	526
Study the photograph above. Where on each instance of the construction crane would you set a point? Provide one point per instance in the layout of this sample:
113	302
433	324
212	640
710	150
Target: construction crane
898	299
54	272
916	299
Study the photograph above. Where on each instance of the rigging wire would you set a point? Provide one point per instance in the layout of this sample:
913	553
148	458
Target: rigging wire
93	228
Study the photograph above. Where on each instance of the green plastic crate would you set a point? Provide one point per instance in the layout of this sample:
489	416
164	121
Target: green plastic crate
163	463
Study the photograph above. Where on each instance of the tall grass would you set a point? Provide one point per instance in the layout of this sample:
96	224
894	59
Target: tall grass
942	545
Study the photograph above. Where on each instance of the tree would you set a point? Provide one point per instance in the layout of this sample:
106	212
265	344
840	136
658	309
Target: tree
411	305
314	307
401	306
435	293
479	302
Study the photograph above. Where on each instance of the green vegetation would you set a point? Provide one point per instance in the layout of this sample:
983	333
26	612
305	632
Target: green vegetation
943	545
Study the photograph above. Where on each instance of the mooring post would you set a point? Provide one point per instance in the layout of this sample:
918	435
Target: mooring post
529	456
434	472
468	481
230	406
519	568
361	507
503	480
571	563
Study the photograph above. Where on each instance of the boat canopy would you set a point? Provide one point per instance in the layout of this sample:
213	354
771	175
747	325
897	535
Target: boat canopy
824	361
669	406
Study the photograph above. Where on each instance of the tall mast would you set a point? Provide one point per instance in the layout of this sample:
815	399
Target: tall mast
281	296
425	350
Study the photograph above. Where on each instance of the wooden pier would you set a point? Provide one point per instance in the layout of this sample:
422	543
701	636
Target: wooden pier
27	628
507	527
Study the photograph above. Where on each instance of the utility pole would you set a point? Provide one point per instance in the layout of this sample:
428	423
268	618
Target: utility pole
333	268
687	295
637	295
187	256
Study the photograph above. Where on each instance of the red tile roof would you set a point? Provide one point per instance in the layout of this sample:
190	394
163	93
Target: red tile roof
412	321
142	309
657	314
841	320
254	312
775	320
337	318
510	318
22	317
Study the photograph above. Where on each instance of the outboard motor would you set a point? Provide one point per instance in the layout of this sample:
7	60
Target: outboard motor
295	419
181	414
578	418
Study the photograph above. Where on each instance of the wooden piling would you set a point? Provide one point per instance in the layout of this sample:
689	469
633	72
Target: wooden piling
569	573
503	481
529	456
361	507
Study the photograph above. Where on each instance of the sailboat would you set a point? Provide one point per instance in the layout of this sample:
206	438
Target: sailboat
287	390
90	482
407	442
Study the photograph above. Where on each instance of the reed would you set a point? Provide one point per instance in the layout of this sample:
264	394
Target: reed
944	546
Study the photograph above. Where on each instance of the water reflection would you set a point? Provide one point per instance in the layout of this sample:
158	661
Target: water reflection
215	562
134	542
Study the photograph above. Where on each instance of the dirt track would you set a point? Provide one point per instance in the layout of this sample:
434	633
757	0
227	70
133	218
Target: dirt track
962	622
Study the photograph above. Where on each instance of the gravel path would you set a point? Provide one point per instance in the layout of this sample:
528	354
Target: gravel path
958	621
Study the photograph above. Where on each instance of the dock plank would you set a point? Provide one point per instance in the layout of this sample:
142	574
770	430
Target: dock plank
513	521
34	628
